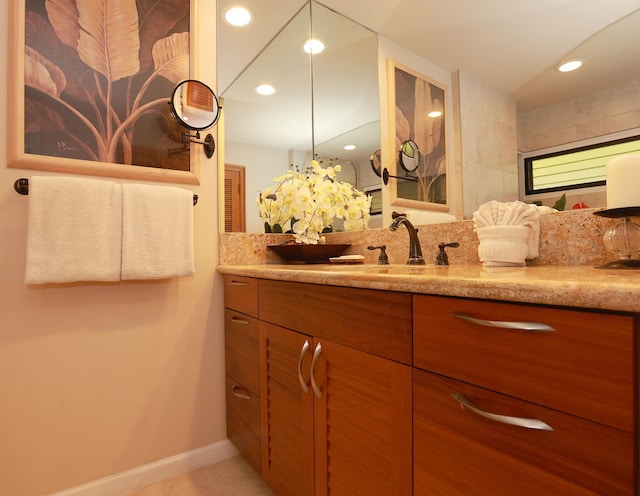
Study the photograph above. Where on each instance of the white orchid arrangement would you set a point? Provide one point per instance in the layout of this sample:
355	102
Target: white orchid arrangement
305	204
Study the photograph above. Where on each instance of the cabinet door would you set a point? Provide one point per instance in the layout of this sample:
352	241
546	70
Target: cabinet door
287	411
362	407
334	418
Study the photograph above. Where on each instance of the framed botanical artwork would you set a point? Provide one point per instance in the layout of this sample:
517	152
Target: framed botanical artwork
417	138
90	84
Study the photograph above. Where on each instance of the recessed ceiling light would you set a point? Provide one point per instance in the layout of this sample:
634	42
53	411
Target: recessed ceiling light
434	113
238	16
349	147
313	46
570	65
265	89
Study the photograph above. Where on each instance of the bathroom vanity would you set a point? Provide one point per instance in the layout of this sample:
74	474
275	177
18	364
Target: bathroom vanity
453	380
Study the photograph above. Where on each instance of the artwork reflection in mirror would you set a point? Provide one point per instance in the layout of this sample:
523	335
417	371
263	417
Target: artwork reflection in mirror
419	144
97	94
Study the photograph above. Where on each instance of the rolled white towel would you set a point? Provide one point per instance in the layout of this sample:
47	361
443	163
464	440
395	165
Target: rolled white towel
494	213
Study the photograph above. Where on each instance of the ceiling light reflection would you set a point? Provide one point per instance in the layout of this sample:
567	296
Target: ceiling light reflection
313	46
238	16
265	89
570	65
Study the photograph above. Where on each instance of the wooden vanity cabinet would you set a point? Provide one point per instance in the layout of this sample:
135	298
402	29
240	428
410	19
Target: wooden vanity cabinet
579	379
336	390
242	364
336	410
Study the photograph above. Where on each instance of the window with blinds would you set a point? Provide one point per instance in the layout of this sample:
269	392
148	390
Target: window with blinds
575	168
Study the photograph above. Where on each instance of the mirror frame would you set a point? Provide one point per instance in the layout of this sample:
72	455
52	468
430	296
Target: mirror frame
18	158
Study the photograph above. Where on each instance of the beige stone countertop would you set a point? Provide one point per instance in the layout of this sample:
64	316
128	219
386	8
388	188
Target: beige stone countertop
574	286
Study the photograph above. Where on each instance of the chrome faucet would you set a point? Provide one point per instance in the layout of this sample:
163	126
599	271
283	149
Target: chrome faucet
415	252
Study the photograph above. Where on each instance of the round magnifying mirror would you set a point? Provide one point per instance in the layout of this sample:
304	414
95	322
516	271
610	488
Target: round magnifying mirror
376	163
409	156
195	105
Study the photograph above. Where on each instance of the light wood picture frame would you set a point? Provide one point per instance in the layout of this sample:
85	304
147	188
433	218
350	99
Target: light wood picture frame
416	109
74	109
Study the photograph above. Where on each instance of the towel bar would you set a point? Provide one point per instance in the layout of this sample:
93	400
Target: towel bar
22	186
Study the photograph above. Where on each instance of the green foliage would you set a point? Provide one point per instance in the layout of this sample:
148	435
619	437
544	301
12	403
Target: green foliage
561	203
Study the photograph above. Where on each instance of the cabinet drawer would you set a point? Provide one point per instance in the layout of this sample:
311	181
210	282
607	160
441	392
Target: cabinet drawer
242	349
377	322
241	294
457	451
243	421
585	367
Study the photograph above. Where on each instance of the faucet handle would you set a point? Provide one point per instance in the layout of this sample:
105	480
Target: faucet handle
442	258
395	215
383	259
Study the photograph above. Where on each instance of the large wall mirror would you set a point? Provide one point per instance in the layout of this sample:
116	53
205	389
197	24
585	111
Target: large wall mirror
322	102
340	104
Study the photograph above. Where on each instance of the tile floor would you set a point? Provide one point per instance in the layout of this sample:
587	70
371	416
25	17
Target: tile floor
232	477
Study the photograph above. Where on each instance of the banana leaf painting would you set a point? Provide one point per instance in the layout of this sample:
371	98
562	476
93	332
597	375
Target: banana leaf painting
418	106
98	76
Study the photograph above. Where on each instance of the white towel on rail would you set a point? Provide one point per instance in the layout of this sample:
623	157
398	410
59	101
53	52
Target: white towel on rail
157	232
74	230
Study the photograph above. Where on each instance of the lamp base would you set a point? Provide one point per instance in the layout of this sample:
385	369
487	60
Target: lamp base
626	263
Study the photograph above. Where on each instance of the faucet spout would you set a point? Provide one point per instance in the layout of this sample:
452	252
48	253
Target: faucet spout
415	251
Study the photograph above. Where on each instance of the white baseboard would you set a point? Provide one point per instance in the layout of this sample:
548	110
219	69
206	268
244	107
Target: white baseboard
144	475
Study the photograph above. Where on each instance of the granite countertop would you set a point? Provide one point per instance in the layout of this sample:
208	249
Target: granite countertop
574	286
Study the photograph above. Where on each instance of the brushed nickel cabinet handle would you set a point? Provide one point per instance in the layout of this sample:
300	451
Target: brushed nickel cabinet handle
233	282
519	326
316	355
240	392
237	320
527	423
305	348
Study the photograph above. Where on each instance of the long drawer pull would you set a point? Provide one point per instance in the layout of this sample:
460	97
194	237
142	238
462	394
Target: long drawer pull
237	320
303	351
520	326
233	282
316	355
527	423
239	392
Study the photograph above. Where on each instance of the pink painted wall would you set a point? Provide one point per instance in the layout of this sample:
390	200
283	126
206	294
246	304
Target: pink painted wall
96	379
